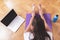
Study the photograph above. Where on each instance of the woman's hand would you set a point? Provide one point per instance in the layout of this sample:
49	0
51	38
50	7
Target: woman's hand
40	10
33	12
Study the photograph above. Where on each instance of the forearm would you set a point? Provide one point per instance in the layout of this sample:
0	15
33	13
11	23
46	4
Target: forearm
46	25
29	25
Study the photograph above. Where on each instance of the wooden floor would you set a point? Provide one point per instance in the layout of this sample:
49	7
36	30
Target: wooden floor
22	7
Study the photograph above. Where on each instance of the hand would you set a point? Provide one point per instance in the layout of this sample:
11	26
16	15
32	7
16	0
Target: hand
33	7
40	9
33	12
39	6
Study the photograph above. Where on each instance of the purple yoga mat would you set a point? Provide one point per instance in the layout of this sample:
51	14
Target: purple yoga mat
46	16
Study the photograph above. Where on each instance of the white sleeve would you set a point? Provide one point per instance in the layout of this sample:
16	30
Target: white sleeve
50	34
26	36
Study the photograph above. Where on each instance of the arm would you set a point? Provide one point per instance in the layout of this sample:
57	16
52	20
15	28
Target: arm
41	14
28	29
46	25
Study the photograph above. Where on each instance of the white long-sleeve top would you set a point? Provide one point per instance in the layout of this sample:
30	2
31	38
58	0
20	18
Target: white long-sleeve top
29	36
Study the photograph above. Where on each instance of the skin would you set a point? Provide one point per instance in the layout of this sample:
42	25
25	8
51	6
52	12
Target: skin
40	10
